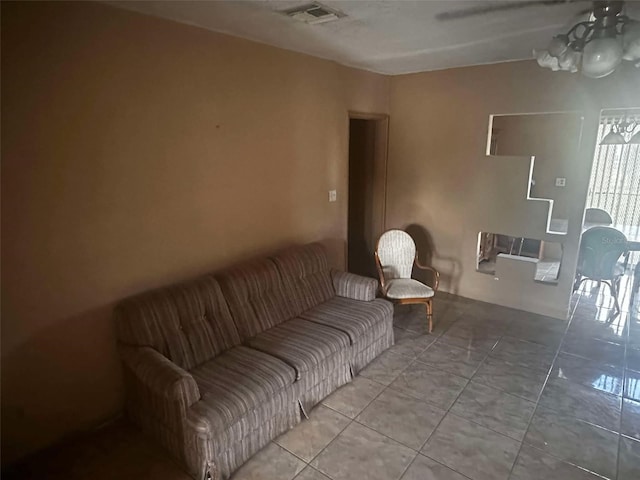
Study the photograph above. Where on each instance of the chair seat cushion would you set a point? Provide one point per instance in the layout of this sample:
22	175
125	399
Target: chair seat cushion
300	343
353	317
237	382
399	288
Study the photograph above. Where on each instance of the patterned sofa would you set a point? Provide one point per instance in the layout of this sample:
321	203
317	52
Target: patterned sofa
217	367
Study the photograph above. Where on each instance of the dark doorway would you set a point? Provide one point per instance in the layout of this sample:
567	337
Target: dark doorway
367	180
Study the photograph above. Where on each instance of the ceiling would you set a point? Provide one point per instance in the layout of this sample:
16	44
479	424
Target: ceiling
389	37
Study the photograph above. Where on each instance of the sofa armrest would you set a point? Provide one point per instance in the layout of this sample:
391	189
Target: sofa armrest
157	384
354	286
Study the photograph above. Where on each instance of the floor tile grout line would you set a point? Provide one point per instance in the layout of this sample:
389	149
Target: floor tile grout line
447	410
288	451
552	454
601	364
388	387
326	446
544	452
386	435
339	433
619	434
568	462
479	382
304	420
457	374
578	419
408	466
415	397
413	359
352	420
624	384
544	385
443	464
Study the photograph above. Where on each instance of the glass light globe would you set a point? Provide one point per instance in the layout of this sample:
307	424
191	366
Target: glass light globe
631	40
558	45
635	140
569	60
545	60
613	138
601	57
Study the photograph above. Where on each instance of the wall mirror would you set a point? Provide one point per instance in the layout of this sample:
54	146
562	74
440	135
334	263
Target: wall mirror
542	259
553	139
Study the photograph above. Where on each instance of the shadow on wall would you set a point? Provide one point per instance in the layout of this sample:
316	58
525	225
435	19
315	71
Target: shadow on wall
450	268
336	252
54	383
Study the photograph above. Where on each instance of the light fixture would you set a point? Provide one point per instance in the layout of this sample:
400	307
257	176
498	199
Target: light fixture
635	140
616	135
595	47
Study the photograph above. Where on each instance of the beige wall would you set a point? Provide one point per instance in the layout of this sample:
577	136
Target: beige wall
442	185
554	140
137	152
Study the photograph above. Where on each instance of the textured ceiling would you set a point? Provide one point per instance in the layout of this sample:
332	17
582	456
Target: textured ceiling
390	37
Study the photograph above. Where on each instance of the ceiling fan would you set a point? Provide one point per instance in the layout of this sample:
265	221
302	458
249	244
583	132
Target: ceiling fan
491	7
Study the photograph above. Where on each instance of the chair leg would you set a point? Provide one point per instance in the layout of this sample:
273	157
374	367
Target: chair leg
576	282
430	315
614	293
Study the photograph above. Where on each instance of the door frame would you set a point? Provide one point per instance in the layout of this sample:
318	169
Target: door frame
381	159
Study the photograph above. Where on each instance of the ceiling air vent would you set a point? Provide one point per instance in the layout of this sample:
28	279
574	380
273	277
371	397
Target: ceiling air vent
313	13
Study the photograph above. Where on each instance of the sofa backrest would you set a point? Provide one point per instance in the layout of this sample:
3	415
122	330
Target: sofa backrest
306	275
188	323
255	296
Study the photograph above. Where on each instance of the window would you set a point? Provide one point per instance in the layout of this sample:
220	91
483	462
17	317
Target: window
615	176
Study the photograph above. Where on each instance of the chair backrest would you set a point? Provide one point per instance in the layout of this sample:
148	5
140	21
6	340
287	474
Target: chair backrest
600	249
395	252
597	215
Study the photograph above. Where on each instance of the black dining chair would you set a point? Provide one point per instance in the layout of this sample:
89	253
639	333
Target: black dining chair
600	250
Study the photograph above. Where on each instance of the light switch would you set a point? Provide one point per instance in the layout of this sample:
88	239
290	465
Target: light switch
332	195
561	181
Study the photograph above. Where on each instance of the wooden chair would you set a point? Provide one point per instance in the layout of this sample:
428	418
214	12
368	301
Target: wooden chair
395	257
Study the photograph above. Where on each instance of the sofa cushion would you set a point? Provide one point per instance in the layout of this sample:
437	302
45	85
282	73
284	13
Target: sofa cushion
255	296
353	317
188	323
306	276
235	383
301	343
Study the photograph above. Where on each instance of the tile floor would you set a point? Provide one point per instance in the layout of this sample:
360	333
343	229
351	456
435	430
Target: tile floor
493	393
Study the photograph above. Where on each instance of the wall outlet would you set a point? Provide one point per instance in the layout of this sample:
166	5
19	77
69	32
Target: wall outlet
333	196
561	181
